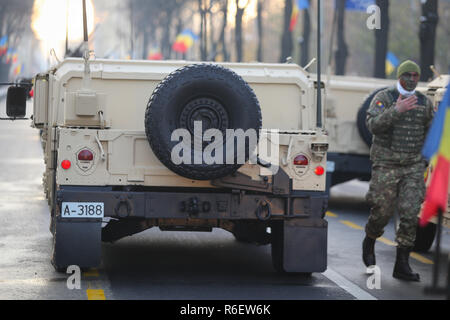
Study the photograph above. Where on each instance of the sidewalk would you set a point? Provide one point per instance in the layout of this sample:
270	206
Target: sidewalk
3	91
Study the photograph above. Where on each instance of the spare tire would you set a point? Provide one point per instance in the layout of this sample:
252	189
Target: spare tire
218	98
364	132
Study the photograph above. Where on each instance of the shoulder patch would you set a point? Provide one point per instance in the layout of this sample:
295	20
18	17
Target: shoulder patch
379	104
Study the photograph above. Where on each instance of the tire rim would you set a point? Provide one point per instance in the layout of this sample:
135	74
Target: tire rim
212	115
209	111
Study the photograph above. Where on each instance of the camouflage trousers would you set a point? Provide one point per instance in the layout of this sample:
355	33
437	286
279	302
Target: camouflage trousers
392	188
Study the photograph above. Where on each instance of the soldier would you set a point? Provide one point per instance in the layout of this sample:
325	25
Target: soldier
399	118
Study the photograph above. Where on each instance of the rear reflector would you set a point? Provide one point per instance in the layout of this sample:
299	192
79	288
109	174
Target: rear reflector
65	164
85	155
301	160
319	170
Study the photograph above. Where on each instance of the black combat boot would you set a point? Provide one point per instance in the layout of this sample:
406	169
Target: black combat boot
368	247
402	270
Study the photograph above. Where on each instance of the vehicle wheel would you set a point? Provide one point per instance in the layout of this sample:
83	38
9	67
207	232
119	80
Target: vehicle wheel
251	233
217	97
361	118
425	237
277	246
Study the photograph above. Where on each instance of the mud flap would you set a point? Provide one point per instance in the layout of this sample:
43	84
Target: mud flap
76	243
300	246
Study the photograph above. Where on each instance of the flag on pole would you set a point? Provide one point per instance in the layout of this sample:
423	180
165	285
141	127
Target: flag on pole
18	69
358	5
437	148
392	63
3	45
155	54
9	55
184	41
14	58
298	5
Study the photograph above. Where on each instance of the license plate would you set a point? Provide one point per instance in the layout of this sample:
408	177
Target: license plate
92	210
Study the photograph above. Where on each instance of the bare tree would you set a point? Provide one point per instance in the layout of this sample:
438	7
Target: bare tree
158	22
238	30
286	40
304	47
15	18
208	13
342	51
260	9
427	35
215	42
222	41
205	7
381	40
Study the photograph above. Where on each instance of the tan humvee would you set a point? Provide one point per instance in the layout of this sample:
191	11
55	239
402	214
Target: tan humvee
105	127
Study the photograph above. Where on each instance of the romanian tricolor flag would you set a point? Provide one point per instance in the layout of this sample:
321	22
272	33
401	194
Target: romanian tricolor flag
184	41
18	69
437	149
155	54
357	5
9	55
3	45
298	5
392	63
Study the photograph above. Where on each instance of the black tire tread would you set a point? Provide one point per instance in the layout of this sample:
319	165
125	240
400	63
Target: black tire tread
161	94
364	132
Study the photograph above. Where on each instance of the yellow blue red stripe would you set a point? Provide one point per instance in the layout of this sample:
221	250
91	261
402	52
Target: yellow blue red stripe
437	145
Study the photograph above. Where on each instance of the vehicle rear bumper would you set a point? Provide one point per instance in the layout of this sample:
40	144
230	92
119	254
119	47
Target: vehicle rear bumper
200	205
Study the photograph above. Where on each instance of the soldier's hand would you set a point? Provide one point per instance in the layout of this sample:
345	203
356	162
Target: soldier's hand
405	104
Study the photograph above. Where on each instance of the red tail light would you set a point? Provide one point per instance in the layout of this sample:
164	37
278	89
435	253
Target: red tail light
301	160
319	170
85	155
66	164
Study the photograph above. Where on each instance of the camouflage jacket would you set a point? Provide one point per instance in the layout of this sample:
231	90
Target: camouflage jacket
398	138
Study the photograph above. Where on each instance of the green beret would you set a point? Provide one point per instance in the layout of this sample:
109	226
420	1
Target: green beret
408	66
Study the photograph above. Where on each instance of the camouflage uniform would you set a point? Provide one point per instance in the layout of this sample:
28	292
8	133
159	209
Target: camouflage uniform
398	167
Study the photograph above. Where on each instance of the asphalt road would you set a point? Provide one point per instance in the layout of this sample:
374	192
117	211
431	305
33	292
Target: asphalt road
180	265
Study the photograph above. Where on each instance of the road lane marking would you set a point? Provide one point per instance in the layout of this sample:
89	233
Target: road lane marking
348	286
351	224
95	294
91	273
32	281
331	214
388	242
420	258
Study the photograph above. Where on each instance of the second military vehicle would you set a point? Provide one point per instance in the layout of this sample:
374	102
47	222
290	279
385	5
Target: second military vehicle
183	147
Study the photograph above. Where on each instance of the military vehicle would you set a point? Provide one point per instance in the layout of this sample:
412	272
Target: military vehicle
108	137
348	99
131	145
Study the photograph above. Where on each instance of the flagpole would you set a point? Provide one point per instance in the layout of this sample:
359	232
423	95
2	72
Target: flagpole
435	289
67	28
448	277
319	82
438	250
